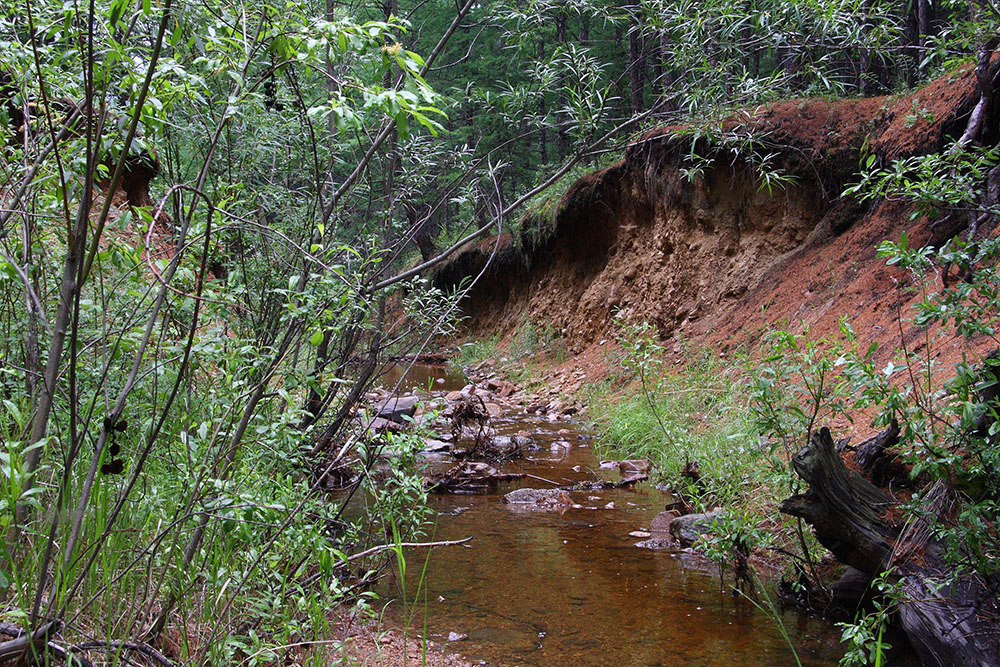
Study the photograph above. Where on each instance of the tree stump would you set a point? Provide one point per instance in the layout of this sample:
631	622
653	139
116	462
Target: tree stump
949	617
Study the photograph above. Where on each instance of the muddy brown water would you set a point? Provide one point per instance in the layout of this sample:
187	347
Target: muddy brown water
571	588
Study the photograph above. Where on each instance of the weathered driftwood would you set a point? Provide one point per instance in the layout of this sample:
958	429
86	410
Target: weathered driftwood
944	616
871	452
470	477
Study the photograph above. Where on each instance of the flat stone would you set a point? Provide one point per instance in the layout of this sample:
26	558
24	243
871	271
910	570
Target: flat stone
433	445
453	396
639	533
395	409
655	543
634	465
538	499
380	425
531	495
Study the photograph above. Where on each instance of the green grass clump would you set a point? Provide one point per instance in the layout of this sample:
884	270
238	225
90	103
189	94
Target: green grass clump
700	416
475	352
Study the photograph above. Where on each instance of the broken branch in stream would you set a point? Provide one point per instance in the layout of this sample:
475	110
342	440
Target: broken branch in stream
407	545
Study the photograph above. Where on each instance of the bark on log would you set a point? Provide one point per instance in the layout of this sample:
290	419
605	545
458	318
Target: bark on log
879	465
942	614
873	449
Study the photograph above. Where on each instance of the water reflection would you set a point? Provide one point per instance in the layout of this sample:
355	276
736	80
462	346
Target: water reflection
570	587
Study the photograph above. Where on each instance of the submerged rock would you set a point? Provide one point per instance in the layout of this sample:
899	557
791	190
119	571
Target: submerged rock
656	543
470	477
538	499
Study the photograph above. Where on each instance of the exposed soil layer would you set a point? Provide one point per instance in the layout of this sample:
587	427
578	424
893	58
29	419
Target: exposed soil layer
719	260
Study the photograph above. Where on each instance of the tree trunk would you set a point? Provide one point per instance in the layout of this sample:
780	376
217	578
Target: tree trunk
635	66
543	151
421	222
946	616
562	139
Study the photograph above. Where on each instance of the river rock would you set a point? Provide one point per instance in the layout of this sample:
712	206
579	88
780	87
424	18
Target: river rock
473	432
634	465
536	406
493	410
661	522
380	425
433	445
655	543
538	499
501	388
453	396
509	446
396	409
688	528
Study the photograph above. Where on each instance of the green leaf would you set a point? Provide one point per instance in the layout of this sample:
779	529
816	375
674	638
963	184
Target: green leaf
117	10
316	339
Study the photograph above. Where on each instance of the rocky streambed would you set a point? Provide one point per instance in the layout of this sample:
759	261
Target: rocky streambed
573	561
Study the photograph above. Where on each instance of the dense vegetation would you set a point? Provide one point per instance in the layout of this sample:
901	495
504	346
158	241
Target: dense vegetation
178	371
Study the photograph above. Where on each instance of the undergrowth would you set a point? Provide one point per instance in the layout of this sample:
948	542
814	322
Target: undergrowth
695	419
699	428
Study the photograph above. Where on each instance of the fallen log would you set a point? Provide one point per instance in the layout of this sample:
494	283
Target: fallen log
948	616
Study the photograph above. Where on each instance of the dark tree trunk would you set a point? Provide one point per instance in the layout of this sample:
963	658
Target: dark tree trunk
543	150
562	139
947	617
923	22
423	228
635	67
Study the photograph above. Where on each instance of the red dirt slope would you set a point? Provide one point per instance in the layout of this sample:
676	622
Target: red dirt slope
720	260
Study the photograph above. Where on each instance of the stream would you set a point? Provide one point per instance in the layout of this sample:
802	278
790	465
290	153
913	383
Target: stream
569	586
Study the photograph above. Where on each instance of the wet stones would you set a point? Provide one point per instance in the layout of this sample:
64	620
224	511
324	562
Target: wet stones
470	477
656	543
689	528
538	499
630	466
397	409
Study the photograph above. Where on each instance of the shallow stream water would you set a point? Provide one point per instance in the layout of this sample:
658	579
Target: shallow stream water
571	588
